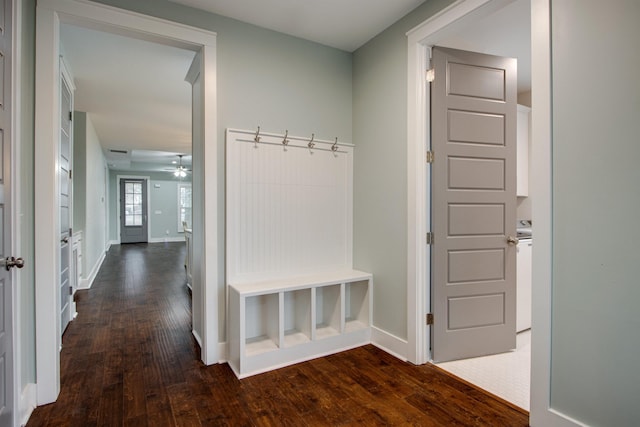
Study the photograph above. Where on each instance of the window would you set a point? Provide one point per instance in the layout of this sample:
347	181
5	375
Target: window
132	203
184	205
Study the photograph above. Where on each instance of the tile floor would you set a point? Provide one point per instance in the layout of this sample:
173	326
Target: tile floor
506	375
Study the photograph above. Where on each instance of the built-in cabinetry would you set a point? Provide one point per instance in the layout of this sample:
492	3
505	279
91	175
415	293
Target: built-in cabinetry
275	323
523	302
524	116
293	294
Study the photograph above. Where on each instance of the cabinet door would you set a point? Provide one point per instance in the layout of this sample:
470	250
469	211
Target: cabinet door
522	188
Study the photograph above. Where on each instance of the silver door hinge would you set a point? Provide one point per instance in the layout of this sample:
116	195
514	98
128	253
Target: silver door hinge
431	75
430	157
429	318
430	238
70	116
70	174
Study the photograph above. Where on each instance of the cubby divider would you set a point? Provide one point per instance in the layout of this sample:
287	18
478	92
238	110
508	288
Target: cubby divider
281	322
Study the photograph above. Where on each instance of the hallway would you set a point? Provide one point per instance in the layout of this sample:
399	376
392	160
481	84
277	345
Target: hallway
129	359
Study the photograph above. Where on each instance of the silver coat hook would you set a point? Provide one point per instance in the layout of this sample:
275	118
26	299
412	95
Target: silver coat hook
334	147
311	144
285	141
256	138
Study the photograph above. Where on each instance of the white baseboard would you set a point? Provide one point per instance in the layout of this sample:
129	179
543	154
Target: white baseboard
393	345
86	283
28	402
166	239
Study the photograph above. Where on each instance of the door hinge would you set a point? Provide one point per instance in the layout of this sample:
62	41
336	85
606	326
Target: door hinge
431	75
430	238
429	318
70	290
70	174
430	157
70	116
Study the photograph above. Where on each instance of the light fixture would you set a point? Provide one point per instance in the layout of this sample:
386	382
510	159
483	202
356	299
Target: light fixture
180	172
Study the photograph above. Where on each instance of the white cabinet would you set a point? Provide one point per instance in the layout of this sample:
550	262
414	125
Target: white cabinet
524	115
280	322
523	285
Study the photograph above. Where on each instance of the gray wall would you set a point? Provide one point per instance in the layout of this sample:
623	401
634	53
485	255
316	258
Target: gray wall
26	221
89	199
163	199
595	376
380	167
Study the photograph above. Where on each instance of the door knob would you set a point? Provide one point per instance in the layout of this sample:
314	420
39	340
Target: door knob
10	262
512	241
64	240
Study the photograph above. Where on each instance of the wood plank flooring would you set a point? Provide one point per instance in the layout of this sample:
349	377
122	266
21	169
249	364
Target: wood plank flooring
129	359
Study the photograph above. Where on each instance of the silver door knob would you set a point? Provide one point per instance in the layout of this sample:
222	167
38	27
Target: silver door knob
512	241
10	262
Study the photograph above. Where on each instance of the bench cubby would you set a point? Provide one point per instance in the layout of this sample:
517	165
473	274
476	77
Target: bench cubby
286	321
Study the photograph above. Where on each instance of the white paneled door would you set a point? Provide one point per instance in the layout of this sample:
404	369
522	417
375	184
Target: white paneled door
6	260
473	122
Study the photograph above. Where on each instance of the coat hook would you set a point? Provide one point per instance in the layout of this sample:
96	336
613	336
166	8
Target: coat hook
256	138
285	141
334	147
311	144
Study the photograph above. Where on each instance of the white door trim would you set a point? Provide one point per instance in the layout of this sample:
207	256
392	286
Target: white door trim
49	15
22	403
118	205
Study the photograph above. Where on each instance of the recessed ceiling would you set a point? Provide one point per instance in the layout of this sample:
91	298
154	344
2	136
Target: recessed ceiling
134	92
343	24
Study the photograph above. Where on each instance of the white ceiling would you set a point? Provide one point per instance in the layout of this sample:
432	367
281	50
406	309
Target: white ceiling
138	101
135	94
343	24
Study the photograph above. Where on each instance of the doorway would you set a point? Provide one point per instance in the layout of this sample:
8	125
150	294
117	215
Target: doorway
133	210
443	30
50	15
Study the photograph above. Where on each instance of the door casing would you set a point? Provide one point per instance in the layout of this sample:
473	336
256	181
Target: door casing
49	16
420	39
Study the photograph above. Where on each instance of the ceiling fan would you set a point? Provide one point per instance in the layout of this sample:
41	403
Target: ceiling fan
181	171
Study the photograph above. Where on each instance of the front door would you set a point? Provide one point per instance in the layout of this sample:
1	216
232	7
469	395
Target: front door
473	123
6	290
133	210
64	175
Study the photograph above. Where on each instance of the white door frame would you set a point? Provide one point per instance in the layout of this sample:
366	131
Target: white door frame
418	288
119	205
49	15
22	402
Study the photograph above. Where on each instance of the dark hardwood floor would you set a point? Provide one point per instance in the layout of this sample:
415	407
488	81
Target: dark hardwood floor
129	359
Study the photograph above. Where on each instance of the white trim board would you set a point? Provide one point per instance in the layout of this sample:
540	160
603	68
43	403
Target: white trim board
87	282
49	16
166	239
23	402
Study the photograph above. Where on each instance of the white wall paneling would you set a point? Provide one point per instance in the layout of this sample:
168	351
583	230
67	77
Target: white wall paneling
289	208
